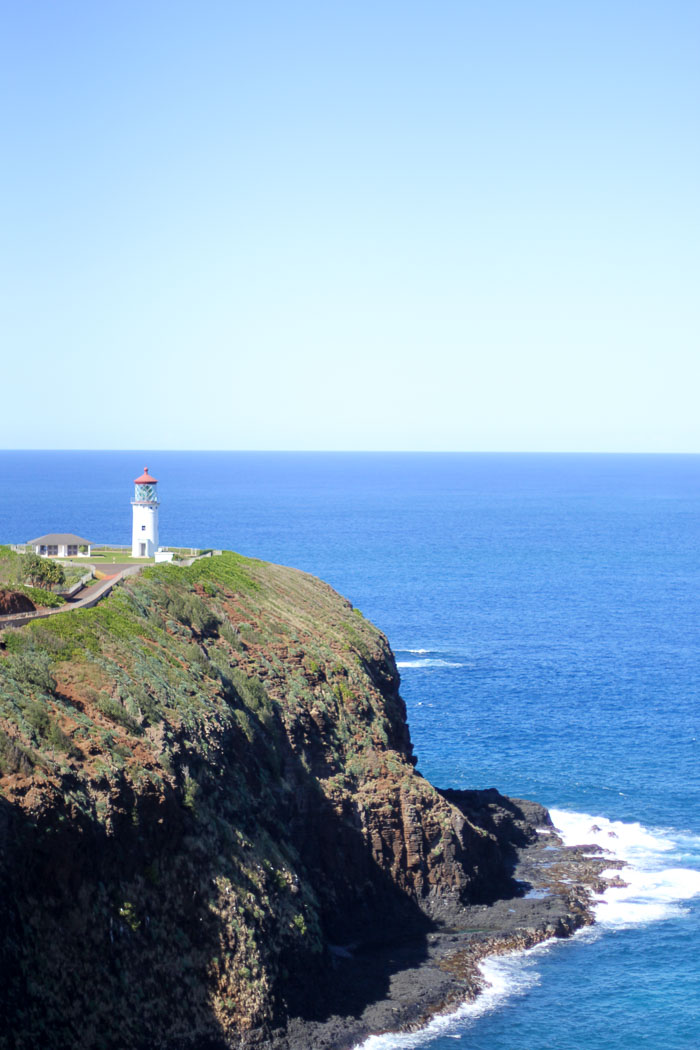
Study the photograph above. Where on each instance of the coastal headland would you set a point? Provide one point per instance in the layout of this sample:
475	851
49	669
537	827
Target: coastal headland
213	833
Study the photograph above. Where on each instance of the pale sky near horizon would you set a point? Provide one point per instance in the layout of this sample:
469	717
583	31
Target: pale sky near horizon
369	225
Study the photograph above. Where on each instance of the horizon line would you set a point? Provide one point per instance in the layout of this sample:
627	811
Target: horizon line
373	451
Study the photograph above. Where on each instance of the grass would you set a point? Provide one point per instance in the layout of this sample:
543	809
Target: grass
113	558
228	570
74	572
9	563
154	699
42	599
124	556
99	555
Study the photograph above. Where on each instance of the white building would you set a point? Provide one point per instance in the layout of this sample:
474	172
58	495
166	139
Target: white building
60	545
144	532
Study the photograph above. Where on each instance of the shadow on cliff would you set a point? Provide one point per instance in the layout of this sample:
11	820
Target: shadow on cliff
74	948
364	915
109	938
510	822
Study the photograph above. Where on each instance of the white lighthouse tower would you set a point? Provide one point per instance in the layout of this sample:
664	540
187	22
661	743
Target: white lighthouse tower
144	532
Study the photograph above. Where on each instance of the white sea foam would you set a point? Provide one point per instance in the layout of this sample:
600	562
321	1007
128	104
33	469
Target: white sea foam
428	662
656	887
655	891
505	976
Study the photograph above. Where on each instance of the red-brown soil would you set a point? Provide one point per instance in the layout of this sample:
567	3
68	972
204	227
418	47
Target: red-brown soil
14	602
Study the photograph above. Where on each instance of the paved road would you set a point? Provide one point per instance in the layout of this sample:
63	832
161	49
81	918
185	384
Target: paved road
86	598
110	569
90	595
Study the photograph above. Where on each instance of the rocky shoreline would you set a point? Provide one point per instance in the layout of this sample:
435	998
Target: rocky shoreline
426	976
213	834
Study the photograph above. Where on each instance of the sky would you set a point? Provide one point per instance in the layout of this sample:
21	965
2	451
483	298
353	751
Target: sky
286	224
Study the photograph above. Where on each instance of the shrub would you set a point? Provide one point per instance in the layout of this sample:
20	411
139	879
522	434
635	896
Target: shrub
41	598
32	668
190	610
299	924
38	718
128	913
146	704
40	572
57	739
230	634
113	710
251	690
190	792
13	757
46	729
47	640
249	634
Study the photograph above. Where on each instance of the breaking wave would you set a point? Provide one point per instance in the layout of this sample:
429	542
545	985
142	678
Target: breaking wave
422	658
658	883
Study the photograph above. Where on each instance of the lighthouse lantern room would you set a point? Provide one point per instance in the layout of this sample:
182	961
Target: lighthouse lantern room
144	533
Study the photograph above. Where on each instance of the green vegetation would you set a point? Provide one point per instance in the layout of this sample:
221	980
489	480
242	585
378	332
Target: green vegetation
39	597
75	572
227	571
117	712
14	758
166	748
40	572
37	578
8	563
113	557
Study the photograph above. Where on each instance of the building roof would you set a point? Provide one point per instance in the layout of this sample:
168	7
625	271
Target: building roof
55	539
145	478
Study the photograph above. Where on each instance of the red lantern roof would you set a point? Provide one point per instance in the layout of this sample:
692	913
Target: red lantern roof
145	478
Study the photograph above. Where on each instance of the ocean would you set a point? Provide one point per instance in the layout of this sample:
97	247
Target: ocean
544	612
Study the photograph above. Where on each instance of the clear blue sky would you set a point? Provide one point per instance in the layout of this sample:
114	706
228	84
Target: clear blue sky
350	225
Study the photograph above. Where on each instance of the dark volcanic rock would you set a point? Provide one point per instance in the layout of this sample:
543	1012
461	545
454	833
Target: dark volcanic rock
402	984
212	832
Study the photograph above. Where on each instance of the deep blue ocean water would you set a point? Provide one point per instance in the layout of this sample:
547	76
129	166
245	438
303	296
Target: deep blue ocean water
544	610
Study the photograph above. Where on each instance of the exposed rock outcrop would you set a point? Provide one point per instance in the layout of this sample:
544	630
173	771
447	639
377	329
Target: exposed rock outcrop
210	812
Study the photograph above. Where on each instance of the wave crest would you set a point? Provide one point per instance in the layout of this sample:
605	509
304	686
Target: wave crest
656	889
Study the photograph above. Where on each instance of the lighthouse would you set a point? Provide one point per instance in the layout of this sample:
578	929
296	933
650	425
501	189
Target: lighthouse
144	532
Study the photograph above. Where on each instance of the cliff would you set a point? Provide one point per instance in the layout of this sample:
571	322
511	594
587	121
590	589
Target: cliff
208	803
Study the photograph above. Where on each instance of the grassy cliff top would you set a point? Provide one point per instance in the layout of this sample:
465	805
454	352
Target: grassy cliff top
160	653
206	781
13	579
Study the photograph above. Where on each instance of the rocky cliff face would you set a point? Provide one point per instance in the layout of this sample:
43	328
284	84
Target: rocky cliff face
208	790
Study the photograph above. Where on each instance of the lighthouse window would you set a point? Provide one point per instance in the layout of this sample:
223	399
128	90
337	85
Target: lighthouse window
143	528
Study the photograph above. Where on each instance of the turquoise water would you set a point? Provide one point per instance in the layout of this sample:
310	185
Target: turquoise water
544	613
